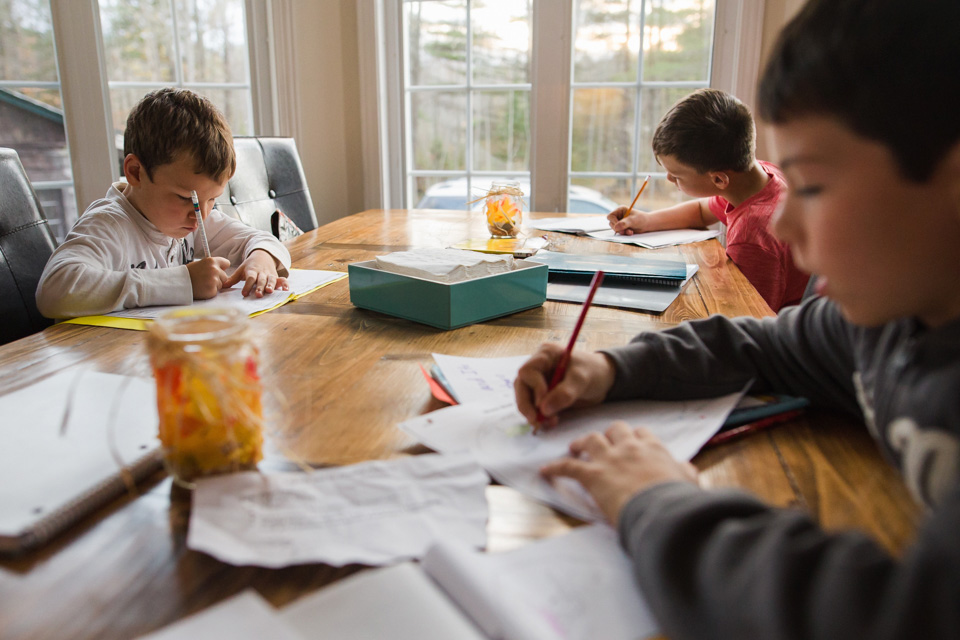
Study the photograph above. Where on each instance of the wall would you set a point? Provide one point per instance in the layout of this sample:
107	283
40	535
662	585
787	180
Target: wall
776	14
328	122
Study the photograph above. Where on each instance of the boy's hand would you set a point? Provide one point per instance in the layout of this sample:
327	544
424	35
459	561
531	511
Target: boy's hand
207	276
628	221
615	465
259	273
587	380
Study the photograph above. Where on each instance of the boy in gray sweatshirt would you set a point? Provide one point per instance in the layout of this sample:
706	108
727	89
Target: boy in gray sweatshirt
864	104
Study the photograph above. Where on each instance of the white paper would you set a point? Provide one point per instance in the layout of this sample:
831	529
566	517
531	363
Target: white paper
580	225
399	602
370	513
477	379
656	239
300	281
504	444
578	586
245	616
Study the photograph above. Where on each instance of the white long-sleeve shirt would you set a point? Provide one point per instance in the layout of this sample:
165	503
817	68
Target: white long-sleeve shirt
114	258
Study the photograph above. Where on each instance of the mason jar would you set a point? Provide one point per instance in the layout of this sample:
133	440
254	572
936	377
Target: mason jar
504	208
208	392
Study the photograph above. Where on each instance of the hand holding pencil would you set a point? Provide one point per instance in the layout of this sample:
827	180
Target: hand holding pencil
557	378
625	220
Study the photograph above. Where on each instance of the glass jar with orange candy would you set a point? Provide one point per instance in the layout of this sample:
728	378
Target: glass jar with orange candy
208	392
504	209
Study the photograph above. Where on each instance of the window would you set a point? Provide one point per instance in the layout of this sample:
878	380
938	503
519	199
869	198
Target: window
200	45
564	94
113	52
467	97
632	60
31	108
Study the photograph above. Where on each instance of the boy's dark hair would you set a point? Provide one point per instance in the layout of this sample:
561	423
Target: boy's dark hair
886	69
708	130
168	122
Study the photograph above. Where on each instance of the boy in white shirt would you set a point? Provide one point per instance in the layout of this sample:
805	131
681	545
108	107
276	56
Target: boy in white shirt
137	246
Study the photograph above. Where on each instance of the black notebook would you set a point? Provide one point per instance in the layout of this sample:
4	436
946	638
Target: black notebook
50	477
576	268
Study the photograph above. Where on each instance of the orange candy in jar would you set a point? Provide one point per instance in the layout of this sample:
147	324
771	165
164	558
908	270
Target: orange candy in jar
504	209
208	392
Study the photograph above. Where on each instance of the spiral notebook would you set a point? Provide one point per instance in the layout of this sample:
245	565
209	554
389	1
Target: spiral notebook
618	269
65	441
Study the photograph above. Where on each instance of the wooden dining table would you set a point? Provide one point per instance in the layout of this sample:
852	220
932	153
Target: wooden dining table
338	381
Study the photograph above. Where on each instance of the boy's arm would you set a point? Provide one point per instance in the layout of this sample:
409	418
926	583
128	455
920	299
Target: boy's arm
235	241
805	351
721	564
86	276
692	214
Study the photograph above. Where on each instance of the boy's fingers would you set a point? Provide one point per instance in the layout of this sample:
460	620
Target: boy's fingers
593	445
564	467
619	431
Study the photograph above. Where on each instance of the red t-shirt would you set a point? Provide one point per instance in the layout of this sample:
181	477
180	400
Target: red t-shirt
764	260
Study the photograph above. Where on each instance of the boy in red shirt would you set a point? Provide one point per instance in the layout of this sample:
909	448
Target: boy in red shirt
706	144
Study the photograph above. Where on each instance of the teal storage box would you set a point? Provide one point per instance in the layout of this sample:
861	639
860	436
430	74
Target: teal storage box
448	306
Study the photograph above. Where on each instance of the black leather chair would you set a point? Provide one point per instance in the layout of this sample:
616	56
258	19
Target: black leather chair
26	243
269	177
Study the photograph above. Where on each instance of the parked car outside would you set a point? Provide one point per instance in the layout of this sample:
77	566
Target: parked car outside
452	194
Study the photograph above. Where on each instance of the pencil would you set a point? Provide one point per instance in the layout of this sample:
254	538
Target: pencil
639	191
203	230
561	369
750	427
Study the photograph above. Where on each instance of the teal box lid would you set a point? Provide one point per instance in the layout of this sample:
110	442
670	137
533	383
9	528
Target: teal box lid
443	305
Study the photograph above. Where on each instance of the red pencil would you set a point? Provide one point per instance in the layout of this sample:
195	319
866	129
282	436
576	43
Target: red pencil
561	369
750	427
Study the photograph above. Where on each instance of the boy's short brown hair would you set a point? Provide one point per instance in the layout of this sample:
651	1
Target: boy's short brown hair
170	121
708	130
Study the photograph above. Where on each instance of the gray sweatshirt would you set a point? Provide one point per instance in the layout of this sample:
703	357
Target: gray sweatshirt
721	564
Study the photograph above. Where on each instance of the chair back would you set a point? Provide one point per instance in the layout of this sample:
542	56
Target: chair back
269	177
26	242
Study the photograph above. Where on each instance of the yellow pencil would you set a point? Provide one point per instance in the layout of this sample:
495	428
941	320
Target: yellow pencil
637	197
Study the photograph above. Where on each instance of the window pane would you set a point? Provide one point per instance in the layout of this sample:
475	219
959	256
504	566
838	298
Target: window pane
598	195
660	193
138	40
655	104
235	106
436	43
502	32
439	130
441	193
607	41
678	37
501	131
26	42
213	41
603	129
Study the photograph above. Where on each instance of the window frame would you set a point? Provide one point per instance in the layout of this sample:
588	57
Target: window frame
735	63
85	86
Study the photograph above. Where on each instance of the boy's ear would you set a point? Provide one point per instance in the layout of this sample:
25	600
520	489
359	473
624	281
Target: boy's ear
720	179
133	170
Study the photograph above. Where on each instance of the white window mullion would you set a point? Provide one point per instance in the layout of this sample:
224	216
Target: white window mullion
258	16
550	101
86	102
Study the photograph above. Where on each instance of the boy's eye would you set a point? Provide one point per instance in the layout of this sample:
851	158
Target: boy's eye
807	191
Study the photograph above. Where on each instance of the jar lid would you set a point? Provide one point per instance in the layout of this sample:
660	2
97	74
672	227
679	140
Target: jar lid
204	324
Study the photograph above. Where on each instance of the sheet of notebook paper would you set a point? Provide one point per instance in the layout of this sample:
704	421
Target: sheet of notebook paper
369	513
502	441
300	281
